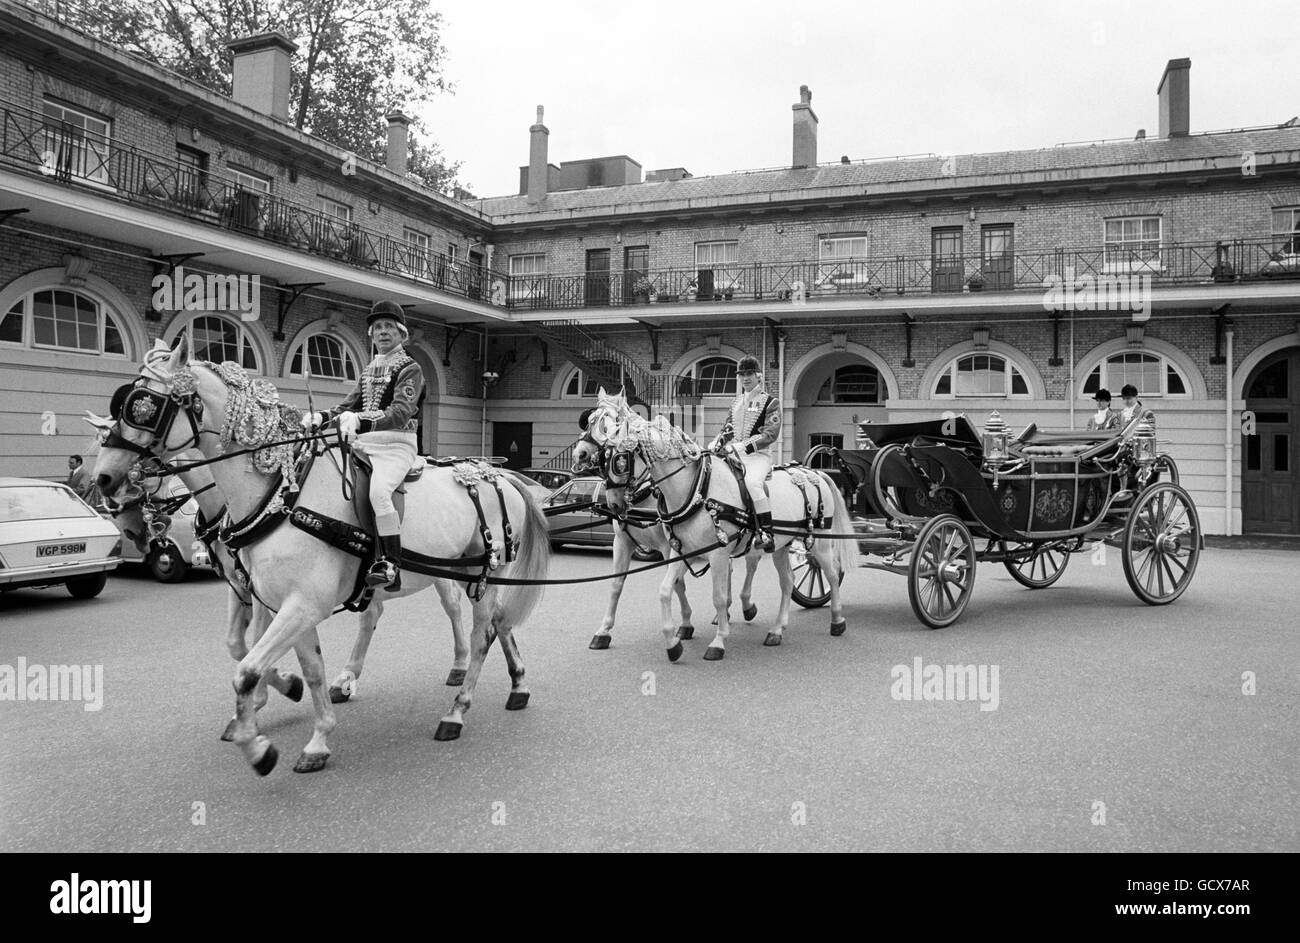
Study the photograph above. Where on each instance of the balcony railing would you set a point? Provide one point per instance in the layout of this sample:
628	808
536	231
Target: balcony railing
1023	270
69	155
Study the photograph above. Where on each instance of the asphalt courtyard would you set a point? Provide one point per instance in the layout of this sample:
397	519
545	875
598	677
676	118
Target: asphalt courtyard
1117	726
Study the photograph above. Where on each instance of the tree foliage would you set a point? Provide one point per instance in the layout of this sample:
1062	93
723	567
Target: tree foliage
356	59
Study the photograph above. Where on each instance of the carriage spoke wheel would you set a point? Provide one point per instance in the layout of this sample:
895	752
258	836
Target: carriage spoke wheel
811	587
1162	543
1043	567
941	573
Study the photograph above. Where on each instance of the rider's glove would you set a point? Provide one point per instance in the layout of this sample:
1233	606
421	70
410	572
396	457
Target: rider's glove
311	420
349	423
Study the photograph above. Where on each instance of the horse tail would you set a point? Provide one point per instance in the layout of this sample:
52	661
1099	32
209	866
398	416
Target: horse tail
514	603
846	551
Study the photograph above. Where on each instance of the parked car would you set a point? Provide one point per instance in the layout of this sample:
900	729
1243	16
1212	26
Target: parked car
549	478
592	528
50	537
173	550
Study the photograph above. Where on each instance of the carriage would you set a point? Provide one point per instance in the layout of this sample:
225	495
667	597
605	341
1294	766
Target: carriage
939	496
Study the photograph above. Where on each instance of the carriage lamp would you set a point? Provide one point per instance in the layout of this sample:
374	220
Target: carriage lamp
1144	443
995	439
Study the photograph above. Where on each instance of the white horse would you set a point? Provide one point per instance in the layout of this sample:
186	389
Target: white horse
128	512
300	577
689	480
650	536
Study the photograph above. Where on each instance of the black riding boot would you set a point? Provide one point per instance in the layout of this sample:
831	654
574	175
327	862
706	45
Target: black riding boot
386	570
765	539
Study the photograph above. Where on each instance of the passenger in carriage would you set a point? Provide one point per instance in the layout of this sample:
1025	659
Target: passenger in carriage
1132	405
753	424
382	414
1104	418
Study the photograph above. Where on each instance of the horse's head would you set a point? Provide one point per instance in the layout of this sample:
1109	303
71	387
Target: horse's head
144	425
607	422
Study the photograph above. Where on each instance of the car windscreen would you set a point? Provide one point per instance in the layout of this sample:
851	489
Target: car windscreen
40	502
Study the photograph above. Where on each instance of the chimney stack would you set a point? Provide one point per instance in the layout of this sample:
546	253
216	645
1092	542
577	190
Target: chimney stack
261	73
538	167
805	130
399	147
1175	99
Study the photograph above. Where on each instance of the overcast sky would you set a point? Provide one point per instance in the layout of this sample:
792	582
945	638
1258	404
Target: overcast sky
708	84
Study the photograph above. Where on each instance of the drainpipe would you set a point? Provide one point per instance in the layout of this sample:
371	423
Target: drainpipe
482	428
1073	394
780	391
1228	437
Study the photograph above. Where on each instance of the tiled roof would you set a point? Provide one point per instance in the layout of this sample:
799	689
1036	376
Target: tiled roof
865	176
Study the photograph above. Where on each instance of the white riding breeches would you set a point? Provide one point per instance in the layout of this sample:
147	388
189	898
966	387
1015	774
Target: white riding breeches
758	467
391	454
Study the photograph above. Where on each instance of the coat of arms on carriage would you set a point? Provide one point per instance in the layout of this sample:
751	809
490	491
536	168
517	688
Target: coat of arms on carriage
1007	502
1053	505
939	501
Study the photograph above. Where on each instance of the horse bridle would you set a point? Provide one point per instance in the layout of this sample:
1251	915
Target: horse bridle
153	413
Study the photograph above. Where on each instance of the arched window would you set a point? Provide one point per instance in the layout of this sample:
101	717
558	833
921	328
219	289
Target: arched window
582	385
714	376
219	339
985	375
327	357
65	320
855	383
1152	374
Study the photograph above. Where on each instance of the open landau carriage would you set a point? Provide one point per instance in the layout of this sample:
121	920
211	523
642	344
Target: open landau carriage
943	489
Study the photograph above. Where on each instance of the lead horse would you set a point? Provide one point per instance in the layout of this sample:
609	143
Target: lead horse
700	504
300	578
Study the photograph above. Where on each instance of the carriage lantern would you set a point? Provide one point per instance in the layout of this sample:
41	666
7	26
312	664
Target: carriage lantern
995	439
1144	443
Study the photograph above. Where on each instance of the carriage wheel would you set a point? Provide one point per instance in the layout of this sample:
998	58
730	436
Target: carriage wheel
941	574
1162	543
1043	568
811	588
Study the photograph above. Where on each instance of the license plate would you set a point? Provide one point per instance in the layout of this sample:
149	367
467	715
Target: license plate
58	550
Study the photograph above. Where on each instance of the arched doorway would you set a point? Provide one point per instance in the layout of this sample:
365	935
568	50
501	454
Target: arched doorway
834	394
1270	482
428	432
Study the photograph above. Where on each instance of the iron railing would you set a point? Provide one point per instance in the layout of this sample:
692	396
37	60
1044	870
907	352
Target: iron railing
70	155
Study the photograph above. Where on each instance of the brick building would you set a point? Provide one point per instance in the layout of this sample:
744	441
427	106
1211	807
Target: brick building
873	290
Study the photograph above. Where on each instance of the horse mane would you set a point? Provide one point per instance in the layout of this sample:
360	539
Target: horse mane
659	438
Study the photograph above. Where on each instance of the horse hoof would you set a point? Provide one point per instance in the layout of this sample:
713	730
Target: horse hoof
447	730
338	695
675	652
295	690
712	653
456	677
311	763
599	643
837	628
267	762
686	633
228	735
749	612
517	701
772	640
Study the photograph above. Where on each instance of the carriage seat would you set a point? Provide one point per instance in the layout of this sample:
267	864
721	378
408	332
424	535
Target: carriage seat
1055	451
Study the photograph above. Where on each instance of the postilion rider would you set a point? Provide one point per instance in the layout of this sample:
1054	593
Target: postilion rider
752	426
382	414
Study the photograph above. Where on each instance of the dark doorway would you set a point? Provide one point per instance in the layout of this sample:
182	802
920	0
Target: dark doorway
597	277
1270	488
636	267
514	442
945	258
474	289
